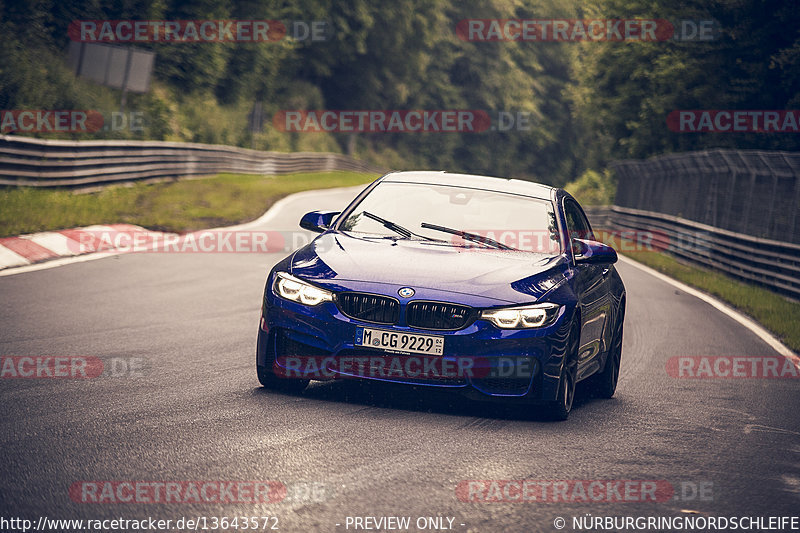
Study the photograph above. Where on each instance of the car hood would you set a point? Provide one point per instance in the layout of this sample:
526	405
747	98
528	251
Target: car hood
344	262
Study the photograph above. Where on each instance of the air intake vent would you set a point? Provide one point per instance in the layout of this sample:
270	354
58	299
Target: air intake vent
369	307
438	315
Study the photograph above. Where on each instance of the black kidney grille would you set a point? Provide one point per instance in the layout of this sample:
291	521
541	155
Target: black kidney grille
438	315
369	307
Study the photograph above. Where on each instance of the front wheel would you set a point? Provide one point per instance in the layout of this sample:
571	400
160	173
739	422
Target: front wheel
269	380
604	384
561	407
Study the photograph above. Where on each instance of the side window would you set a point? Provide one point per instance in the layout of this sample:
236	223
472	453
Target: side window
577	225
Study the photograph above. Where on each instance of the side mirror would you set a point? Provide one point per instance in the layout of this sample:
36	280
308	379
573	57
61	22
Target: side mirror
318	221
593	253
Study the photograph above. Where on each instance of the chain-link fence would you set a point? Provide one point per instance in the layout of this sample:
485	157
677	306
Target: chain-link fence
744	191
734	211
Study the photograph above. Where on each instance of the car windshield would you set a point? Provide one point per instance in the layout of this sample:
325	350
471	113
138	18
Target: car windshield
518	222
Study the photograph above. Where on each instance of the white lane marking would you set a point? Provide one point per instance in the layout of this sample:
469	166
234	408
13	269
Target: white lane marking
10	258
57	263
55	242
272	213
793	482
745	321
749	428
748	415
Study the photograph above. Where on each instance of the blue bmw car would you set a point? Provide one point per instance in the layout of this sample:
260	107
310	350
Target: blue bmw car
488	286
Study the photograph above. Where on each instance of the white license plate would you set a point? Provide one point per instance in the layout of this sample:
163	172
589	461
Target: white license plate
397	341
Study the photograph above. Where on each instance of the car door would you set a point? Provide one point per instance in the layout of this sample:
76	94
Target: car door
593	282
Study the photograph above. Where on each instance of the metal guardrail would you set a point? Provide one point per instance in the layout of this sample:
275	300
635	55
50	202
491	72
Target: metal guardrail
54	163
773	264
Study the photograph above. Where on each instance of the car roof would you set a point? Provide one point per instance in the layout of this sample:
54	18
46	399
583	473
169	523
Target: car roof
489	183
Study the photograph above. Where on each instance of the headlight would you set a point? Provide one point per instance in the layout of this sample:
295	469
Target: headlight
529	316
291	288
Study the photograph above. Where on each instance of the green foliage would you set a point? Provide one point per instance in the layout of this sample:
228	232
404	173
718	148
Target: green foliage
589	102
623	91
594	188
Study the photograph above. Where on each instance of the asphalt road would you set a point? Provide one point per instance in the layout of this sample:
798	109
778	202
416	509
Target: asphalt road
195	411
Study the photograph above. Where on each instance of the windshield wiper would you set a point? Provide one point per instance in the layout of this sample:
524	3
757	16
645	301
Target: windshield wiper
397	228
474	237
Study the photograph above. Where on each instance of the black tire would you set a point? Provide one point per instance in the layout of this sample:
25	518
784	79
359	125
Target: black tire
269	380
561	407
604	384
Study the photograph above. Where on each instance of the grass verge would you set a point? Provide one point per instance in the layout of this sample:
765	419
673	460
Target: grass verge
776	313
177	206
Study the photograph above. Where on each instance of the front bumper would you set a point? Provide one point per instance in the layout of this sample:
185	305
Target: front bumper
481	360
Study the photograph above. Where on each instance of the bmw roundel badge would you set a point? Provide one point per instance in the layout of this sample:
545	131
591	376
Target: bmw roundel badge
406	292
